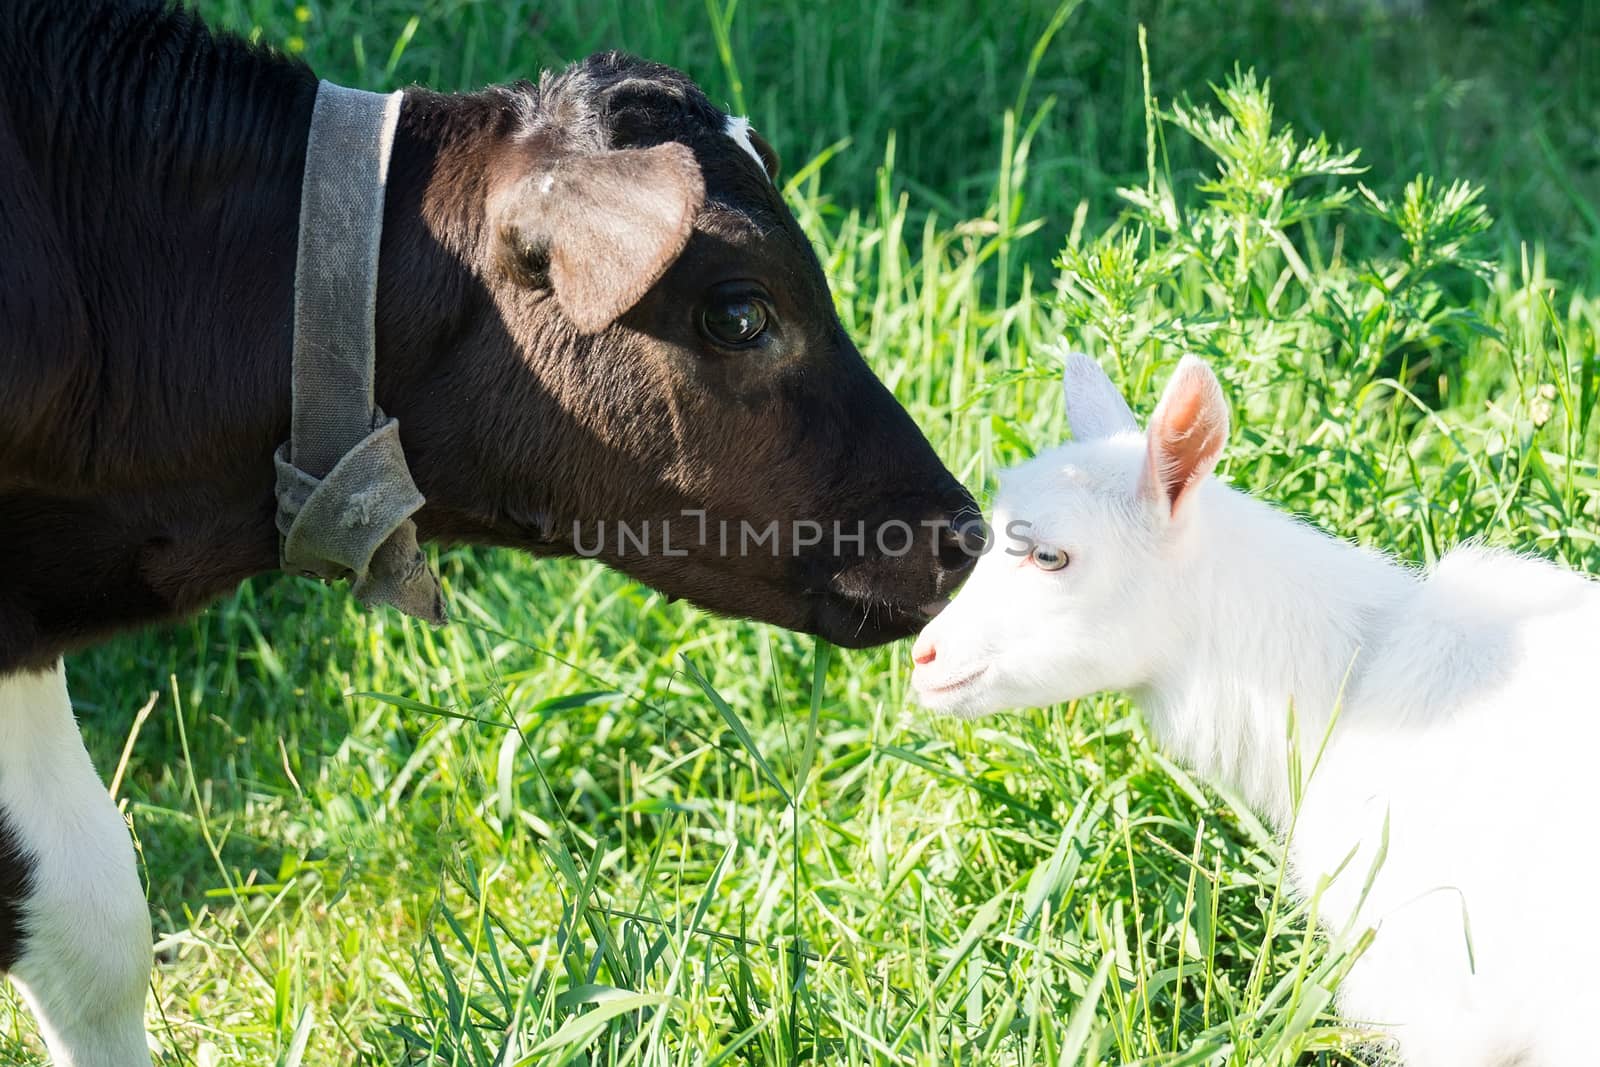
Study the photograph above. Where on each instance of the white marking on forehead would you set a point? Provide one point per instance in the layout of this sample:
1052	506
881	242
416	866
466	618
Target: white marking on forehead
738	127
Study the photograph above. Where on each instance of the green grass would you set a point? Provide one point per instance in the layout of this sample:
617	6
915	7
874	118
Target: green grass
581	825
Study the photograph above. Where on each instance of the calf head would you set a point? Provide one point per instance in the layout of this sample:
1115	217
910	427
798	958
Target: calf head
1080	589
663	382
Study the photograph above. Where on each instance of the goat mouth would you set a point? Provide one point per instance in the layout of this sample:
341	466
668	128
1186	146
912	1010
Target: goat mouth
955	684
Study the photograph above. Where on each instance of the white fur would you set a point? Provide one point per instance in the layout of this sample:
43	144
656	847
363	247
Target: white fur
86	958
1093	412
1467	716
738	128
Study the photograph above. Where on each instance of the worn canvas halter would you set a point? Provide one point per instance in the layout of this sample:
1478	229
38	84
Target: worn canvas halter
345	494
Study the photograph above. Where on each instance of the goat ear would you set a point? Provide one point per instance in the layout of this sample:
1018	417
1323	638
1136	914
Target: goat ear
603	226
1094	407
1186	435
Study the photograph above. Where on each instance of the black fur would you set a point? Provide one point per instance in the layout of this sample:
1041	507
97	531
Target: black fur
149	200
16	876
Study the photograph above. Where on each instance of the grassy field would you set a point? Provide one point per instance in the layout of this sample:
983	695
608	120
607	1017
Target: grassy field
583	826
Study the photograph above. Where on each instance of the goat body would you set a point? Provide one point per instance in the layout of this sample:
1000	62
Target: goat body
1459	726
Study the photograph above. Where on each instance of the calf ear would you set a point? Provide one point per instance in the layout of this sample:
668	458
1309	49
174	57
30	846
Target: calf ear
1094	407
604	226
1186	435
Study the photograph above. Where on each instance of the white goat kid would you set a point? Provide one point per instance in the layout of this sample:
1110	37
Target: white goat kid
1467	715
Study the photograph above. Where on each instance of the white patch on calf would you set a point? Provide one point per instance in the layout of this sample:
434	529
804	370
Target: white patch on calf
86	956
738	128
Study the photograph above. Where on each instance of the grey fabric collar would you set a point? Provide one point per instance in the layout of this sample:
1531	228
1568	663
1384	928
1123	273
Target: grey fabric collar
345	494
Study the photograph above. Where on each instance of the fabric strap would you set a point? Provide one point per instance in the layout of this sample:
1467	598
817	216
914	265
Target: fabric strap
345	494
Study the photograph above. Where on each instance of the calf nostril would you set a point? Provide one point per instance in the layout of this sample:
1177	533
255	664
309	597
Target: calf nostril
922	655
960	544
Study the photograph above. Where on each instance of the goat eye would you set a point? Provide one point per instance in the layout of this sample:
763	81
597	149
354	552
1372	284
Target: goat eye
1048	559
734	320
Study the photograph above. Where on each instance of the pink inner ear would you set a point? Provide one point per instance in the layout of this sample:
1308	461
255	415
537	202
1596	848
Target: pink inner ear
1187	435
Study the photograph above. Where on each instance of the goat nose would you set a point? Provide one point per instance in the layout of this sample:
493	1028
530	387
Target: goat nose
923	652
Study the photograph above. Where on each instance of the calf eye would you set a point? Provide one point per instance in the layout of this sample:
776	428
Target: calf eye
1047	558
734	318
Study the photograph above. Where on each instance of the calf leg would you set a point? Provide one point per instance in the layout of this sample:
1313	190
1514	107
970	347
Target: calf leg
74	926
